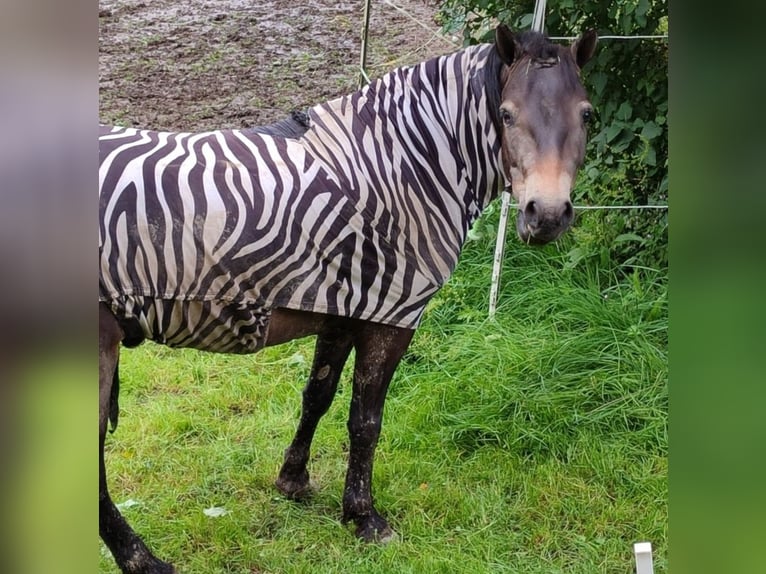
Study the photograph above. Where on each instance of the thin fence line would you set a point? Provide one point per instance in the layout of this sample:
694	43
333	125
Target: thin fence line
594	207
456	44
438	36
570	38
422	24
621	207
435	35
611	37
404	57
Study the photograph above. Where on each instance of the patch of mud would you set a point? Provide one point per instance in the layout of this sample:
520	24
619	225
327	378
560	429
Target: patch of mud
205	64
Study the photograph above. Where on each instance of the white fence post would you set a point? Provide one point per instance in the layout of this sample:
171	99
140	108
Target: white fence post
538	25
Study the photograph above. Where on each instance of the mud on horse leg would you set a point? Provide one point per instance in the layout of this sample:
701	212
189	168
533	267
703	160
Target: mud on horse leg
379	348
129	551
332	350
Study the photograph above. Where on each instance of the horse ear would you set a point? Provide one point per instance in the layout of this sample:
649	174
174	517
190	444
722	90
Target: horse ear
505	44
584	47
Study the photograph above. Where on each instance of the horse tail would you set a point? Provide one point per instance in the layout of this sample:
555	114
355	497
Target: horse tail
114	409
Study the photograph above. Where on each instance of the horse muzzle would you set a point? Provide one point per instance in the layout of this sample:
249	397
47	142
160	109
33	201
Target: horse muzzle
539	222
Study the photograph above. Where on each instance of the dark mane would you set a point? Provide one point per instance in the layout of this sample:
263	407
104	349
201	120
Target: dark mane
493	87
291	127
537	46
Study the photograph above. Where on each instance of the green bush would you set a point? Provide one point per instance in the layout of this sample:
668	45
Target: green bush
626	163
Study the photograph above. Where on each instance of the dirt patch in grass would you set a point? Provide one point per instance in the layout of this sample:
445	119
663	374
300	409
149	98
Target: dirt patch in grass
205	64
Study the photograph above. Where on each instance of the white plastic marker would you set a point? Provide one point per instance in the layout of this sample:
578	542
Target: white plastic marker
643	552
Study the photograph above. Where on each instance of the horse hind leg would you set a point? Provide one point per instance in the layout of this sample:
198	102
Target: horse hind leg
130	553
332	350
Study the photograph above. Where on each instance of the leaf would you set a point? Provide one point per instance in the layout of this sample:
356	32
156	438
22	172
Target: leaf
650	158
651	130
664	184
612	132
215	511
623	237
575	255
622	143
607	109
598	81
625	111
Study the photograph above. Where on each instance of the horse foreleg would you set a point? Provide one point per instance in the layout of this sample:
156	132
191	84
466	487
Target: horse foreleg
379	349
332	349
129	551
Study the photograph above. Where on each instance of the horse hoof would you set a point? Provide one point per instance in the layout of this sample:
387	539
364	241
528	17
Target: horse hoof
376	530
156	567
167	569
294	489
142	561
388	537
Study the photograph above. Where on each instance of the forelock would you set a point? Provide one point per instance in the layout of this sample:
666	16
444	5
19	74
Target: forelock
537	46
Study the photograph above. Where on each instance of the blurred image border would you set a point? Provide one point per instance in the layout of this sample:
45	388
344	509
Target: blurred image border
48	167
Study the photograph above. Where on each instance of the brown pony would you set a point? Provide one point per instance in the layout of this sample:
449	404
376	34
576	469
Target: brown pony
537	110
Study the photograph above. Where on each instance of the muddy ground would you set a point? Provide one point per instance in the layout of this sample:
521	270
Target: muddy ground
206	64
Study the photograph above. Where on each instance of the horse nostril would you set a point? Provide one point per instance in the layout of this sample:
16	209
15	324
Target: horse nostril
530	213
568	211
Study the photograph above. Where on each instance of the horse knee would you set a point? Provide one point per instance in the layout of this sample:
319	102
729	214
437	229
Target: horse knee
318	394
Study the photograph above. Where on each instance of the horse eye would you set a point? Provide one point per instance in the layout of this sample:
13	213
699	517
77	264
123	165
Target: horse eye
587	115
506	117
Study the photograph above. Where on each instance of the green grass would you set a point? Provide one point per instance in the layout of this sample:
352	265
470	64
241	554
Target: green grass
534	443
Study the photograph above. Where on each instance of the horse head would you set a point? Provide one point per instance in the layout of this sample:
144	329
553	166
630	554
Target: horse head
544	113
